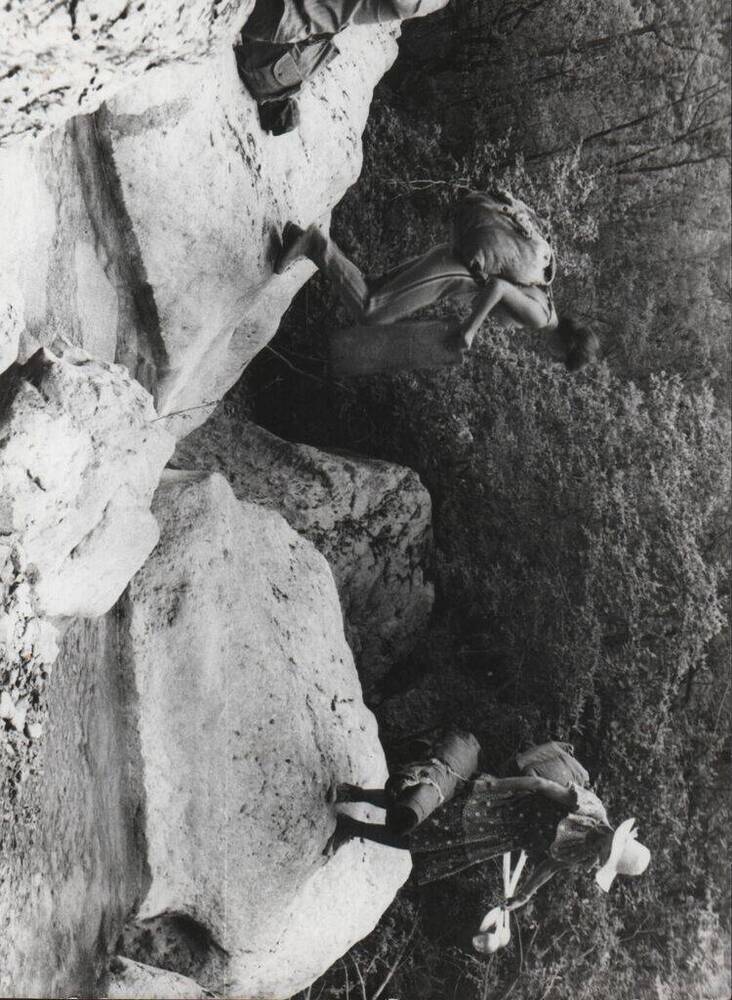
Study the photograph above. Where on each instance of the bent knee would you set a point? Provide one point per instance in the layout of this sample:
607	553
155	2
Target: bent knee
369	312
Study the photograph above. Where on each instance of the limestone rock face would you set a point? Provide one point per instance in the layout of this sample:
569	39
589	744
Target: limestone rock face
145	233
11	322
250	708
134	979
28	647
370	519
81	456
139	218
63	59
71	858
63	257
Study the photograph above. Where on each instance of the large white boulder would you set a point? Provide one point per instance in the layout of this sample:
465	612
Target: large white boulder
145	233
81	452
64	59
206	191
250	710
370	519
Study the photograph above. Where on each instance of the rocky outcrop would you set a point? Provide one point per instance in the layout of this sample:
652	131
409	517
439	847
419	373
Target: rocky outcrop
134	979
145	233
11	321
250	710
82	453
71	852
370	519
136	284
64	59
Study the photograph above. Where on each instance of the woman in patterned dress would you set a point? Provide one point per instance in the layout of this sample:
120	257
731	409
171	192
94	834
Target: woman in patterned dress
561	827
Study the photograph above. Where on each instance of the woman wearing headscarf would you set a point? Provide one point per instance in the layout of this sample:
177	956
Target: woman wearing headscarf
473	820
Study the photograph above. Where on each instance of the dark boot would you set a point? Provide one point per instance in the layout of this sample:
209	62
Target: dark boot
353	793
342	833
295	244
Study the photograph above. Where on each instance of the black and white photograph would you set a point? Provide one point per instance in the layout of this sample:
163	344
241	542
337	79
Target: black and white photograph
365	480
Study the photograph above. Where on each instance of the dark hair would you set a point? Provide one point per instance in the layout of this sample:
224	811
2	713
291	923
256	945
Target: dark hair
581	345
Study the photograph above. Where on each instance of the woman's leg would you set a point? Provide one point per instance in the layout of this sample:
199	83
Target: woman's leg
347	828
412	285
352	793
419	283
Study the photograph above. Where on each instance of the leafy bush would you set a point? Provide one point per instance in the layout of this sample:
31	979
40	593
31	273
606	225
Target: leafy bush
577	526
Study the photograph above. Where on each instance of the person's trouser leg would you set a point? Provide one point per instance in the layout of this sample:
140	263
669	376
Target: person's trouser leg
347	281
411	286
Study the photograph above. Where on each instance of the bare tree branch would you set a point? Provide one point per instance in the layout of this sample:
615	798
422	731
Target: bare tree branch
397	961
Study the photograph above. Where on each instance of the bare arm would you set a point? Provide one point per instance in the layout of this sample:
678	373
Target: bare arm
552	789
526	310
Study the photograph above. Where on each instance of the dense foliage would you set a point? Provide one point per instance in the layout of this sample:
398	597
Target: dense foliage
581	523
577	527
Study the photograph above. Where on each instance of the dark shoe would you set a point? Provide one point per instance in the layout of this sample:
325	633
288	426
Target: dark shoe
347	793
401	819
279	117
294	244
342	833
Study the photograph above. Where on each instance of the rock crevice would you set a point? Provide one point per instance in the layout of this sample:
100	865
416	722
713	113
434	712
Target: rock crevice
370	519
139	342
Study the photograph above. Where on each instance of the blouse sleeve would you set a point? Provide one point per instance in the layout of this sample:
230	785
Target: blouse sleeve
575	842
586	803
